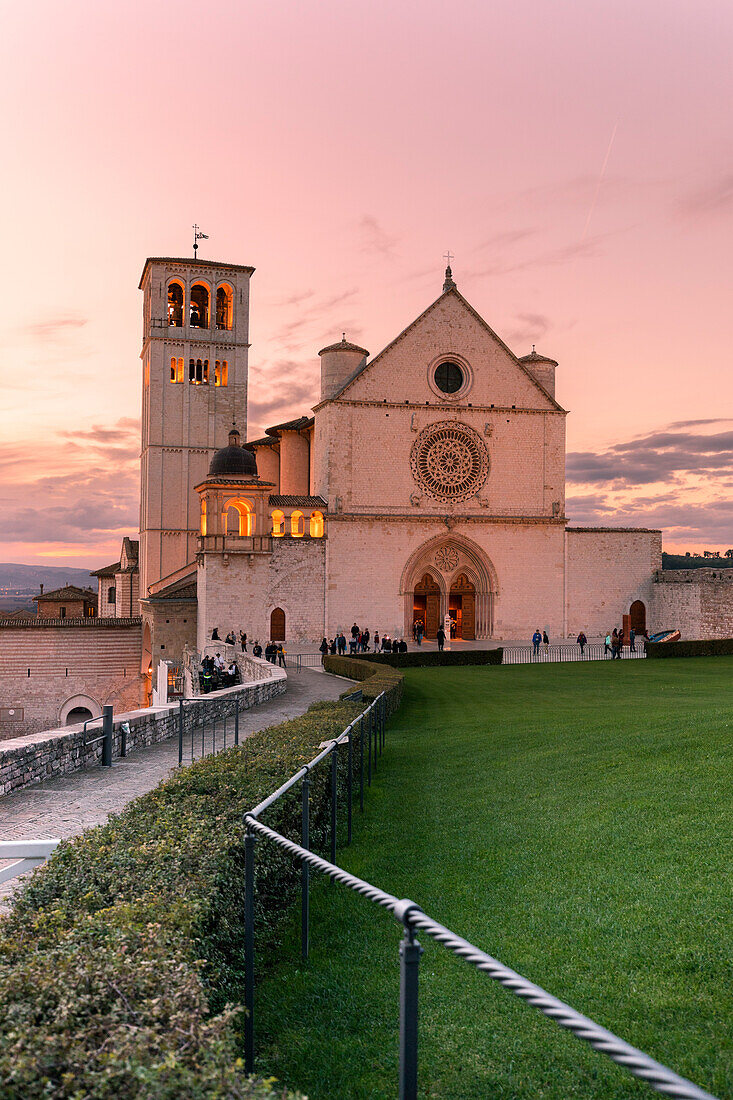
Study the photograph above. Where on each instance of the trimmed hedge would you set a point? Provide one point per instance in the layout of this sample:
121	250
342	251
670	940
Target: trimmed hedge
427	659
373	680
713	647
122	956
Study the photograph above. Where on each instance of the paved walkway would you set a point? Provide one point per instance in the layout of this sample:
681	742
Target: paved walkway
64	806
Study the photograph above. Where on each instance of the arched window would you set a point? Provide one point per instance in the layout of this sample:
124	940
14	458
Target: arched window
176	370
221	372
239	518
224	298
199	311
197	371
203	517
316	525
77	715
175	304
111	595
278	524
277	625
296	525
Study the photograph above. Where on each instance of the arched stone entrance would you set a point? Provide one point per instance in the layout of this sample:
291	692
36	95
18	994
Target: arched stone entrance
426	605
637	616
462	608
277	625
463	576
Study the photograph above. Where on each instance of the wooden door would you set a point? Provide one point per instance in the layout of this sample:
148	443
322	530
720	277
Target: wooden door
468	607
432	613
277	625
428	589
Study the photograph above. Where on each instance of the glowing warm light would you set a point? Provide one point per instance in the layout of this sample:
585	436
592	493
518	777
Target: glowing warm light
278	524
296	525
245	512
316	525
224	298
203	517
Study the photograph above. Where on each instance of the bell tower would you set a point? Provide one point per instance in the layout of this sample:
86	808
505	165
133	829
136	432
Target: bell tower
194	356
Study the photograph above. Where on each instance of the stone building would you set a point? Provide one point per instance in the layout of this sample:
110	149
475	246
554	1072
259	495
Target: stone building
429	484
119	584
68	602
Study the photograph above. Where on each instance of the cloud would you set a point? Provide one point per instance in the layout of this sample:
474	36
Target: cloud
529	327
505	239
553	257
715	197
308	326
285	391
55	327
375	239
658	456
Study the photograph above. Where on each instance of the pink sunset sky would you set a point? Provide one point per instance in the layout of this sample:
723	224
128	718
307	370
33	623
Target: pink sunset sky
575	156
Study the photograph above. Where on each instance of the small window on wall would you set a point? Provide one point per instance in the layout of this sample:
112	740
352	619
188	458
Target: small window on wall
111	595
62	613
175	305
176	370
199	311
296	525
221	372
278	523
224	307
203	518
198	370
316	525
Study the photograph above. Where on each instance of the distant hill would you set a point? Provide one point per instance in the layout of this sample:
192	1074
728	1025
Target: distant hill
29	578
681	561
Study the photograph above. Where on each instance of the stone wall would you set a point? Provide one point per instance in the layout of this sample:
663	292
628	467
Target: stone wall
38	756
697	602
608	569
46	666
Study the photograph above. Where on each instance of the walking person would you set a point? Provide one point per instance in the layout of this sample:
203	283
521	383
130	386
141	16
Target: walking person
606	644
323	649
440	636
632	640
419	631
243	641
546	643
621	642
582	642
536	639
614	644
281	656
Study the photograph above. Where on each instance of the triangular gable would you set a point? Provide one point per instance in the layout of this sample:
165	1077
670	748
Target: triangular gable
467	305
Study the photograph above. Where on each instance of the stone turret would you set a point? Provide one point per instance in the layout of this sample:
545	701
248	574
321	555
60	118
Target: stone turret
339	362
541	368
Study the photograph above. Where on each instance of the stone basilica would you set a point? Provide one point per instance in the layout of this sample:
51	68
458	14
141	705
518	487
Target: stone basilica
427	482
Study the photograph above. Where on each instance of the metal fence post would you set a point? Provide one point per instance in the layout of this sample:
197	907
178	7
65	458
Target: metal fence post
410	952
249	950
370	723
376	733
107	741
180	732
350	785
236	721
361	764
334	800
305	869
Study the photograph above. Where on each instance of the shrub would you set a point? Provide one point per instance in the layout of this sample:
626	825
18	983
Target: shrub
428	659
121	955
373	680
712	647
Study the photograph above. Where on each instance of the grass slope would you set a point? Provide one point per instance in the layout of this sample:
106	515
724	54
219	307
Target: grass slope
572	820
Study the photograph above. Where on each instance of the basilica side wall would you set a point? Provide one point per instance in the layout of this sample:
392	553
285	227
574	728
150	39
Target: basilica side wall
607	569
697	602
242	594
47	669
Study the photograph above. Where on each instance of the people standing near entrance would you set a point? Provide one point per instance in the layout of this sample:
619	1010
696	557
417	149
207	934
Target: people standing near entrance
632	640
419	631
256	649
606	644
614	644
333	645
621	642
546	642
281	656
582	642
243	641
355	634
440	636
341	642
376	641
536	639
365	641
323	648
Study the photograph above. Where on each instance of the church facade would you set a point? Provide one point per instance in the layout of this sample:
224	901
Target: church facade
427	483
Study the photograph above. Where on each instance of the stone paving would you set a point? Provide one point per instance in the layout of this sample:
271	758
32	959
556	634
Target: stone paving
64	806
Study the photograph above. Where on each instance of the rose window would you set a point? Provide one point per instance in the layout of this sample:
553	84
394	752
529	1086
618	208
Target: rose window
446	559
449	460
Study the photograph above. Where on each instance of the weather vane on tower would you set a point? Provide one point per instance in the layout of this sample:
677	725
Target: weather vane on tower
198	236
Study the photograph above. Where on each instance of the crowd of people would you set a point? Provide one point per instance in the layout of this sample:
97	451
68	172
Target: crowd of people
361	641
614	642
216	673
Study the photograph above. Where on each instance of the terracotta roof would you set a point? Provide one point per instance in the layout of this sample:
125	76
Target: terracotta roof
266	441
132	547
298	502
183	589
190	263
108	570
296	425
343	345
68	592
535	357
20	613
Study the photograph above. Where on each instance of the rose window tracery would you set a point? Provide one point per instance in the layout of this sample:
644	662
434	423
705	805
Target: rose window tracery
446	558
449	460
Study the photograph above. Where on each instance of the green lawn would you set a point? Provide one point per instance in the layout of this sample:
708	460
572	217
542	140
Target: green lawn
575	822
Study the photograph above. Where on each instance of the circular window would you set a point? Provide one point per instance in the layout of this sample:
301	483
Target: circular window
449	460
448	377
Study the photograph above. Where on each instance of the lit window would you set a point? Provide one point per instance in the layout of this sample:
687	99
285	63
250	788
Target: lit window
176	370
239	519
203	517
196	370
175	305
199	310
221	372
316	525
224	307
296	525
278	524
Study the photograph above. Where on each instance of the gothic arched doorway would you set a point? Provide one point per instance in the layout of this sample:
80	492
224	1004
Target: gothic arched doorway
277	625
462	608
637	615
426	605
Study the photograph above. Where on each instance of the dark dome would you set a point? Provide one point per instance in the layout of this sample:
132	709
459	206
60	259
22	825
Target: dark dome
233	461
